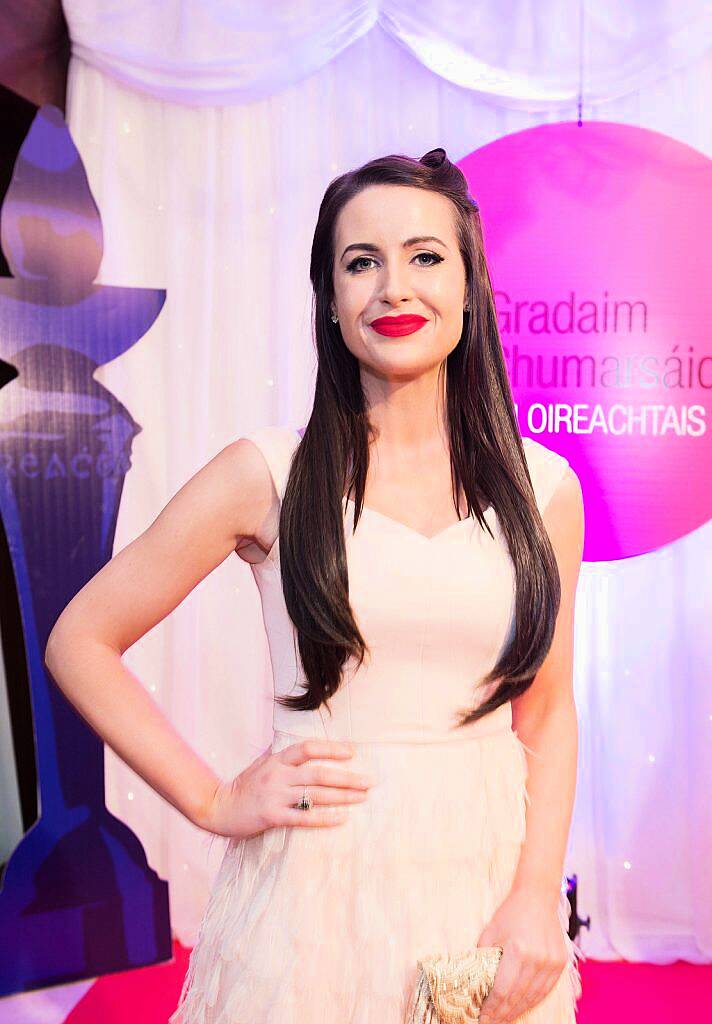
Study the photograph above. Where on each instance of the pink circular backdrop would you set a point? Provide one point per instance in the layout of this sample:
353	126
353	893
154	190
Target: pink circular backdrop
598	243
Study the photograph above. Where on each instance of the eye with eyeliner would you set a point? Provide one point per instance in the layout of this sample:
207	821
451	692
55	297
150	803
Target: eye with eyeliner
351	268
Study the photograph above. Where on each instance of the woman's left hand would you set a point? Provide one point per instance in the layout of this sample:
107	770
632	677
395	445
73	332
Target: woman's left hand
527	927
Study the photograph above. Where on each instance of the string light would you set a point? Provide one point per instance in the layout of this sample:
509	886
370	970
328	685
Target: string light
627	865
580	81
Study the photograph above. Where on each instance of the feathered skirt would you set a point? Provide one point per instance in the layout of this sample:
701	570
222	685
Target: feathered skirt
325	925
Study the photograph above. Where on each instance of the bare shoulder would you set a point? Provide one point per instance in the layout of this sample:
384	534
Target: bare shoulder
248	491
557	490
232	494
564	520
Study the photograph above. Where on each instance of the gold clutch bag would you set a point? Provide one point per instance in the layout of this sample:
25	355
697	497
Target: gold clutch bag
451	989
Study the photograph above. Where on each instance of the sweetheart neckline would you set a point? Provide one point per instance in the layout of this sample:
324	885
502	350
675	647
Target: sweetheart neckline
270	556
397	522
412	530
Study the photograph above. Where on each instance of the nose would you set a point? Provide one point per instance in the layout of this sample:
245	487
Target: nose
395	285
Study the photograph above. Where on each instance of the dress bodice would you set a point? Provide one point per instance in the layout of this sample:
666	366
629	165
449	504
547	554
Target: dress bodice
435	613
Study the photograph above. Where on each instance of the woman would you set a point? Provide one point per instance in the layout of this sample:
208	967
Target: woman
417	564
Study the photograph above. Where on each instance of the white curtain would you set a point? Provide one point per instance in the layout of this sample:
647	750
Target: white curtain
209	133
521	53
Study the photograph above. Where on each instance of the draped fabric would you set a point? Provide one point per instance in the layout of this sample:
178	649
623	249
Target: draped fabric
522	53
217	201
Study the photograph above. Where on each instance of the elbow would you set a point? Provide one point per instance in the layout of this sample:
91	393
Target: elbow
55	649
50	655
67	641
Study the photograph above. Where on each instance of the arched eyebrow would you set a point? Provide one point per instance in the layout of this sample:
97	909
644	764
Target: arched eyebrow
370	247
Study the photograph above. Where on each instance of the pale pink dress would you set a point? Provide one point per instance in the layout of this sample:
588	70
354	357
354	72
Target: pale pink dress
324	926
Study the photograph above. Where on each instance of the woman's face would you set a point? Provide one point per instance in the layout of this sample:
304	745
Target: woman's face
376	274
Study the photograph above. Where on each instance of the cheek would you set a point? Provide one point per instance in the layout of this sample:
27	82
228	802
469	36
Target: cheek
445	293
355	294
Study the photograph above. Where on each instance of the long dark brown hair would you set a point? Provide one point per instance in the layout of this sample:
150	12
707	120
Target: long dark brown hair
486	452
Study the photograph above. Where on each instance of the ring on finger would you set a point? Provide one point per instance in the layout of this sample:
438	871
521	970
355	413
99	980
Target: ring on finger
306	803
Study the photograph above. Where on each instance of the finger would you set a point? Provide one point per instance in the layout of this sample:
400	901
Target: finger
325	775
315	817
326	795
503	1014
304	750
491	1011
544	983
521	999
504	993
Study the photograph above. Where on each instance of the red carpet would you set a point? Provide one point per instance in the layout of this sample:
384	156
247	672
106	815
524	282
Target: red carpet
614	993
148	995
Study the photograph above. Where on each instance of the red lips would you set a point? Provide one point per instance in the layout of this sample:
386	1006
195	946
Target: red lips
397	326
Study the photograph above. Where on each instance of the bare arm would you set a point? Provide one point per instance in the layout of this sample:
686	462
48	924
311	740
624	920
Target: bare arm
222	506
545	715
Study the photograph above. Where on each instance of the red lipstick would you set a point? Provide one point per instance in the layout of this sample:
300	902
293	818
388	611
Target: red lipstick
397	326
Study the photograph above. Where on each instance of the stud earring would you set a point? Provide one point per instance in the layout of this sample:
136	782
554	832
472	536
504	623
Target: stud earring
467	307
334	318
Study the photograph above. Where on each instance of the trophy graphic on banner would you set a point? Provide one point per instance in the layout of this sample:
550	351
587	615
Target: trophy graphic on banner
77	898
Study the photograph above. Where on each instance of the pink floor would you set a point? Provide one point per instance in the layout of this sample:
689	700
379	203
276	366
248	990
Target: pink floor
614	993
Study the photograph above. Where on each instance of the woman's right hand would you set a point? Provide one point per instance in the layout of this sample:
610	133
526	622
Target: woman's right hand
264	794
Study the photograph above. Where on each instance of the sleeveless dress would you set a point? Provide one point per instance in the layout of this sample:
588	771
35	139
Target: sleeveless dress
325	925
